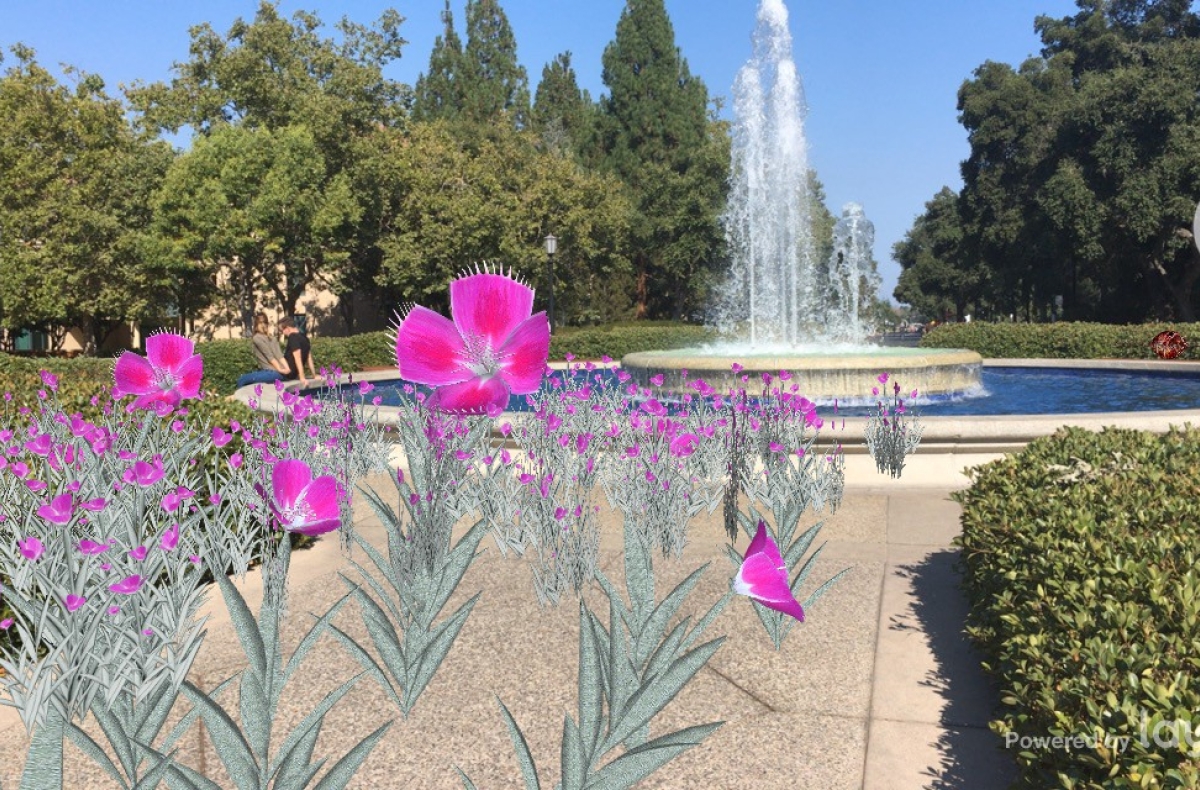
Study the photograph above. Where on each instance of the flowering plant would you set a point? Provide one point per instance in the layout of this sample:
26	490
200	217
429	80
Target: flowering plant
658	457
890	436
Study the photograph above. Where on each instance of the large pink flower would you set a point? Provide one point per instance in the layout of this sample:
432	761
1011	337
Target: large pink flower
764	577
494	347
302	504
169	373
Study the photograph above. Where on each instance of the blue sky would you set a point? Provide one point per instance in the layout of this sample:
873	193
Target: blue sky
880	76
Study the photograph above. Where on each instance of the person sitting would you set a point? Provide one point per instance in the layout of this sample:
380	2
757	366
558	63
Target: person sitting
298	352
271	364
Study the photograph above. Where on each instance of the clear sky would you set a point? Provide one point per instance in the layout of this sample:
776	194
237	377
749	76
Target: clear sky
881	76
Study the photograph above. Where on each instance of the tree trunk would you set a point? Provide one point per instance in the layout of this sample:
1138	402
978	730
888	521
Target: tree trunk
642	290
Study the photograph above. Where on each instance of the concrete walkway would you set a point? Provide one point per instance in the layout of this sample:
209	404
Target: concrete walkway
879	689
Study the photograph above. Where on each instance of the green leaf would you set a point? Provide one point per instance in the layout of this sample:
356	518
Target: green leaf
639	577
92	749
453	569
817	593
636	764
344	769
256	715
467	783
656	692
521	746
368	663
656	624
574	771
439	643
296	751
245	625
231	746
591	686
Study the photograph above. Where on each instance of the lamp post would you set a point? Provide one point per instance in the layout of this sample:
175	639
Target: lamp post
551	248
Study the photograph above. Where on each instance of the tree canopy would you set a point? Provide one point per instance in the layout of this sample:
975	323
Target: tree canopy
75	186
1085	166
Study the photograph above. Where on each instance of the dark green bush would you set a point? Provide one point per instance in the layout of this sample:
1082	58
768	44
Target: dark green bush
1058	341
1082	570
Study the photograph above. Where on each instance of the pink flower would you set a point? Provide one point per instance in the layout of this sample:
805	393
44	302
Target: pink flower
169	373
127	586
170	538
763	576
219	437
35	485
883	377
39	445
145	474
494	347
736	368
235	460
6	623
59	510
303	504
91	547
139	553
31	548
657	380
73	602
684	444
94	504
652	406
49	379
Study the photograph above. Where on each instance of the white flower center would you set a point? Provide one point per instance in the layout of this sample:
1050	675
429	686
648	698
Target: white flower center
481	359
164	380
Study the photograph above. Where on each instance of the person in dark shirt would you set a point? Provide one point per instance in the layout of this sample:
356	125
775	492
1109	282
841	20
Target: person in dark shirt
298	352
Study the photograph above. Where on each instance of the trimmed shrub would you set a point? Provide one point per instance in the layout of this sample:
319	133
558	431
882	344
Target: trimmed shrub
1082	570
1058	341
617	340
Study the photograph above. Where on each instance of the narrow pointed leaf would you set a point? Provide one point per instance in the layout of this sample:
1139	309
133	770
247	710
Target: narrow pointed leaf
245	625
656	624
234	752
442	639
344	769
521	747
92	749
591	686
292	756
654	695
820	591
574	771
636	764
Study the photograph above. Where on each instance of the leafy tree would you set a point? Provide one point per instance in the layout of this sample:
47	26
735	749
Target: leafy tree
455	206
74	184
278	75
656	135
494	82
562	113
439	92
936	278
257	204
1085	164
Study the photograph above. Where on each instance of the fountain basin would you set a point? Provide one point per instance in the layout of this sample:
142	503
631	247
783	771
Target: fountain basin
841	374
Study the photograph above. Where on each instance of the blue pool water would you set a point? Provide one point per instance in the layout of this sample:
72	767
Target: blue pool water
1004	391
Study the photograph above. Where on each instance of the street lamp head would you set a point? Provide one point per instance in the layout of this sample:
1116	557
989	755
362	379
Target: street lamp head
551	244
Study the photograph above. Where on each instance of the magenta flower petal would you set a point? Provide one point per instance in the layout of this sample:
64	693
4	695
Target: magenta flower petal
169	351
73	602
92	547
490	306
288	481
684	444
6	623
31	548
170	538
430	350
763	576
190	374
133	375
523	355
127	586
59	510
474	396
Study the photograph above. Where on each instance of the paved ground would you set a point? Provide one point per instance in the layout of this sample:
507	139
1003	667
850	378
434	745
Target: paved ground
879	689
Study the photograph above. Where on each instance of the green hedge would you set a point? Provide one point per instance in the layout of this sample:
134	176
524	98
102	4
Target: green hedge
1058	341
617	340
1082	569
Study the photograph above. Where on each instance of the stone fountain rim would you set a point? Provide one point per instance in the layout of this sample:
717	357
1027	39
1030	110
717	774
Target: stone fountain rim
687	358
943	435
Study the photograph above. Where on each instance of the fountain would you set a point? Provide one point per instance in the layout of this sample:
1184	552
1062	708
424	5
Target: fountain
781	308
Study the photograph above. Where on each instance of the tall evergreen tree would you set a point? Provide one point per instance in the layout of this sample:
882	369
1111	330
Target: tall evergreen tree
493	81
439	91
655	133
561	111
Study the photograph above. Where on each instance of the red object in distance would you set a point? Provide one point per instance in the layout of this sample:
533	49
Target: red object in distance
1168	345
